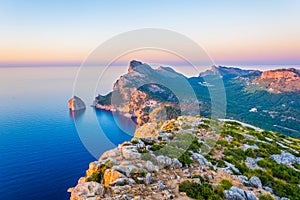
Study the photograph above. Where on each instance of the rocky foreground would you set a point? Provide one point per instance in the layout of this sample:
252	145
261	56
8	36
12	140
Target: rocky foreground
196	158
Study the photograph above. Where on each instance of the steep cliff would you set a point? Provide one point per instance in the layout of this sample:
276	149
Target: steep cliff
280	80
141	90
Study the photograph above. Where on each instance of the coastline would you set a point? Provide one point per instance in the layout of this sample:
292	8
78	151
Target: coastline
147	168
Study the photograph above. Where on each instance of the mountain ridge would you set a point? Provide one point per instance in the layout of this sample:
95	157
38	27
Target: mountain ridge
138	96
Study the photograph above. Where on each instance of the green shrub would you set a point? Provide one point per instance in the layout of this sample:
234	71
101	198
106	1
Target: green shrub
227	184
147	156
197	191
266	197
156	147
185	159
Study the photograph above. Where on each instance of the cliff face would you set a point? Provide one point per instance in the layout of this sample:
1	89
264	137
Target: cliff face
168	160
274	81
141	90
280	80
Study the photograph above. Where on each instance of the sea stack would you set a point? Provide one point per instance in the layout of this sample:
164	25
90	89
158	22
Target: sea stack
76	104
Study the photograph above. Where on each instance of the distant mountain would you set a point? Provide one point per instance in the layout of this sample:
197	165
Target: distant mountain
229	72
269	99
274	81
280	80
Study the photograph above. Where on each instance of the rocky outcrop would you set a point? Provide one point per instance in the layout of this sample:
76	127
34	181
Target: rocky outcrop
285	158
239	194
137	93
87	189
76	103
280	80
156	167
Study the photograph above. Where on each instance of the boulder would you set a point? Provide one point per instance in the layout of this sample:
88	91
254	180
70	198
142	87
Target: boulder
268	189
111	175
255	182
163	161
122	181
200	159
87	190
126	170
232	167
110	154
130	152
251	163
150	167
238	194
176	163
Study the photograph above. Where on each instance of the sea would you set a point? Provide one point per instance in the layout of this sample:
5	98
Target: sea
44	148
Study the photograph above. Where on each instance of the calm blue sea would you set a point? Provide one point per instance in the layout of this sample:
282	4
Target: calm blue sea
41	152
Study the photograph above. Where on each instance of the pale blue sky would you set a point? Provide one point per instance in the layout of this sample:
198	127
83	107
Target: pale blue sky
233	32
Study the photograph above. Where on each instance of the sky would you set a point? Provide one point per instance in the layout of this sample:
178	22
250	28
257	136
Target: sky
232	32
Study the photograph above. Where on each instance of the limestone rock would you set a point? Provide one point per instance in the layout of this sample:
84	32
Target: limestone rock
126	170
87	190
251	163
238	194
255	182
285	158
76	104
130	152
151	167
111	175
200	159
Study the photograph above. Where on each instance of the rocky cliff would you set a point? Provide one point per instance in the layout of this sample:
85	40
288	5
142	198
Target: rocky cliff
280	80
76	103
142	90
274	81
196	158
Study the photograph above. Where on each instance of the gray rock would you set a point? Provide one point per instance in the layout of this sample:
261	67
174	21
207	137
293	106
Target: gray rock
87	189
161	185
130	152
200	159
126	170
148	178
242	178
110	154
163	161
285	158
246	146
255	182
123	181
232	167
249	136
176	163
268	189
151	167
238	194
251	163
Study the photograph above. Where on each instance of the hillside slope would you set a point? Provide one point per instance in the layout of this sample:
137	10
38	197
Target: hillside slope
196	158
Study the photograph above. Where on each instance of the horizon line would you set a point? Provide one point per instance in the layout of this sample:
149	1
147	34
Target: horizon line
123	63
